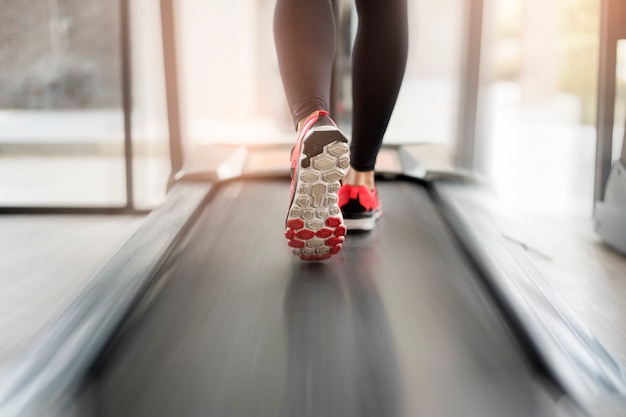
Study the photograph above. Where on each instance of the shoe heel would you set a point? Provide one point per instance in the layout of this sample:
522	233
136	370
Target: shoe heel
315	228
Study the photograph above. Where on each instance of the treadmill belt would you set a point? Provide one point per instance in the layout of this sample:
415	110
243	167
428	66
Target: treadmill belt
397	324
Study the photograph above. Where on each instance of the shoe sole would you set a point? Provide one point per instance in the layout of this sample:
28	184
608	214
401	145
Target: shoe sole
365	224
314	226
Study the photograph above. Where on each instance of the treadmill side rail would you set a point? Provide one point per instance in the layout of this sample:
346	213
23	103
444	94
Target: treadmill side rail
45	379
610	214
566	349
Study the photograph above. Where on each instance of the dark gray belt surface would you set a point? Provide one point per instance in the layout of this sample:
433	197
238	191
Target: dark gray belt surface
397	324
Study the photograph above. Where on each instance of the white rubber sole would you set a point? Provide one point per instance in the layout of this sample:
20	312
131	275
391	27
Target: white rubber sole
363	224
314	227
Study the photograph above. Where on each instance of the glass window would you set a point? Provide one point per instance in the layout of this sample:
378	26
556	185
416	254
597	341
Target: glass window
539	101
231	86
427	107
61	122
61	116
231	90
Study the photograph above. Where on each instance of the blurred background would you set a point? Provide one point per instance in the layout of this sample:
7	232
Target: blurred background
61	115
63	130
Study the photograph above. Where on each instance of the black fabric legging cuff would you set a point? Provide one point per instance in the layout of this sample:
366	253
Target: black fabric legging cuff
304	32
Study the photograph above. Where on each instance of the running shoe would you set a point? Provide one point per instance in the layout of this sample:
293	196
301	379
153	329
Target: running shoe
319	161
360	207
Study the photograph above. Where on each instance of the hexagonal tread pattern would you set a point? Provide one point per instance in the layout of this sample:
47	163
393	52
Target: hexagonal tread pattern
314	227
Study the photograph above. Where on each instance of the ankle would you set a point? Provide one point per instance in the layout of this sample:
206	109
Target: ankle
305	118
359	178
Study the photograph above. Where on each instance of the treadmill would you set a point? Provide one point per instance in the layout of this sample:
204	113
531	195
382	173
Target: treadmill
205	312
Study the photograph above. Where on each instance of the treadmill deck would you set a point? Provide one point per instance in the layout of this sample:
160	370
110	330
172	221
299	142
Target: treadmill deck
396	324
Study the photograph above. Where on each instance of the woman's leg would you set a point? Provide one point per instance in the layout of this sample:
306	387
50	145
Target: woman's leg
378	64
304	32
305	42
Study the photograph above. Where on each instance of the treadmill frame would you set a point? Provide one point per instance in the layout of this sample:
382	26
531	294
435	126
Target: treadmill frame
586	377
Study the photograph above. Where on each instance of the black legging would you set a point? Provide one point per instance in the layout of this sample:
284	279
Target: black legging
304	31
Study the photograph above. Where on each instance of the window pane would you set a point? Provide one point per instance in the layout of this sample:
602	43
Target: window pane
232	90
540	72
61	122
427	107
230	86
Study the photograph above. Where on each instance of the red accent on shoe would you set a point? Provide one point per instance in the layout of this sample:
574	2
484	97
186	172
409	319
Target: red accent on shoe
290	234
334	241
302	132
295	224
295	153
298	244
333	222
305	234
324	233
367	198
341	231
335	249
